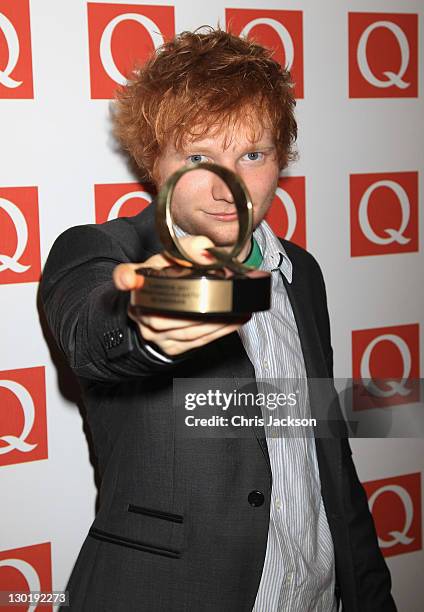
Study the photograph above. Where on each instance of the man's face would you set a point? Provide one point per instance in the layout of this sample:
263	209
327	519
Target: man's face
202	204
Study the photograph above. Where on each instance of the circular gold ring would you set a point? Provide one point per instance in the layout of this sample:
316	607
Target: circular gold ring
165	223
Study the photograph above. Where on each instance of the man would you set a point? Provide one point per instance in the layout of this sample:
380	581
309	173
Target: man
220	524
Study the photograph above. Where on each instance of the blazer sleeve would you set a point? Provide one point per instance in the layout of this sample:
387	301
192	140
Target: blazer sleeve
87	314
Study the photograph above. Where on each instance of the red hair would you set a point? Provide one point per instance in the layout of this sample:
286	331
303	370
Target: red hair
197	84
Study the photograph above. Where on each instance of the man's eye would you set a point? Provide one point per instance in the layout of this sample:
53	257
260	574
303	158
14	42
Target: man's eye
196	159
254	156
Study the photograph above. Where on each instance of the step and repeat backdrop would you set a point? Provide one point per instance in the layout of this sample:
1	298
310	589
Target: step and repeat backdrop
353	199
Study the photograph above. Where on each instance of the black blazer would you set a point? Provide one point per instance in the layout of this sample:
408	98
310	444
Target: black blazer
175	529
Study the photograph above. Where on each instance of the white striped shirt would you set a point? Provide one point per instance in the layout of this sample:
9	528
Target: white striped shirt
298	573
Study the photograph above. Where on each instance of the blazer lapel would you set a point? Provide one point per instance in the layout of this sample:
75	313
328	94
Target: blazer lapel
241	368
321	395
308	334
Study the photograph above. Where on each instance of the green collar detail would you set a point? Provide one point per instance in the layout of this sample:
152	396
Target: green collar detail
254	258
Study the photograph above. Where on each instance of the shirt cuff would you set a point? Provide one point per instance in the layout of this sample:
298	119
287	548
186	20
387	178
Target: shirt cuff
149	348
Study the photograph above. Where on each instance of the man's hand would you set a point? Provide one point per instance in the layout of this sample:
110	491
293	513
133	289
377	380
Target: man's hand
173	335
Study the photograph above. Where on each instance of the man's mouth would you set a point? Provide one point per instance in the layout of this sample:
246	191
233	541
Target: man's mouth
223	216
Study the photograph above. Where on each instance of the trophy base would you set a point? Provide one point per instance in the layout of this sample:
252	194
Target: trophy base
184	291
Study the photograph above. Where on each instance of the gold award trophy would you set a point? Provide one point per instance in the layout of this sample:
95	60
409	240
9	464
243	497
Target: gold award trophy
222	289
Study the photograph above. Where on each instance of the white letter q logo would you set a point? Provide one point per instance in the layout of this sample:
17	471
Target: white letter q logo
27	405
12	42
106	42
398	537
283	33
395	235
18	219
395	387
288	203
114	211
393	78
28	572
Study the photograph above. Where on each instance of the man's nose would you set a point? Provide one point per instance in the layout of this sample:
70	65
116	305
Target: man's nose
220	191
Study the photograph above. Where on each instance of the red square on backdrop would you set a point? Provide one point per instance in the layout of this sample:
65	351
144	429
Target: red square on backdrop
287	213
19	235
15	50
281	31
25	569
385	366
122	36
383	55
23	420
383	213
395	504
121	200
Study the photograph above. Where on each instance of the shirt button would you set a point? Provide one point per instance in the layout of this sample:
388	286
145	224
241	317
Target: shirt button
289	578
278	504
266	364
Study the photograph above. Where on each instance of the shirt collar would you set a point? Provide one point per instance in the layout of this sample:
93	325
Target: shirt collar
273	252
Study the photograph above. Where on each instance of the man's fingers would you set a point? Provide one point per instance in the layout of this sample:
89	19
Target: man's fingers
196	247
192	332
217	333
184	339
126	278
163	323
181	334
176	347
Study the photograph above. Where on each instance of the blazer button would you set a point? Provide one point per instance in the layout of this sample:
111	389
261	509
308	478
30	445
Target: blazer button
256	498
